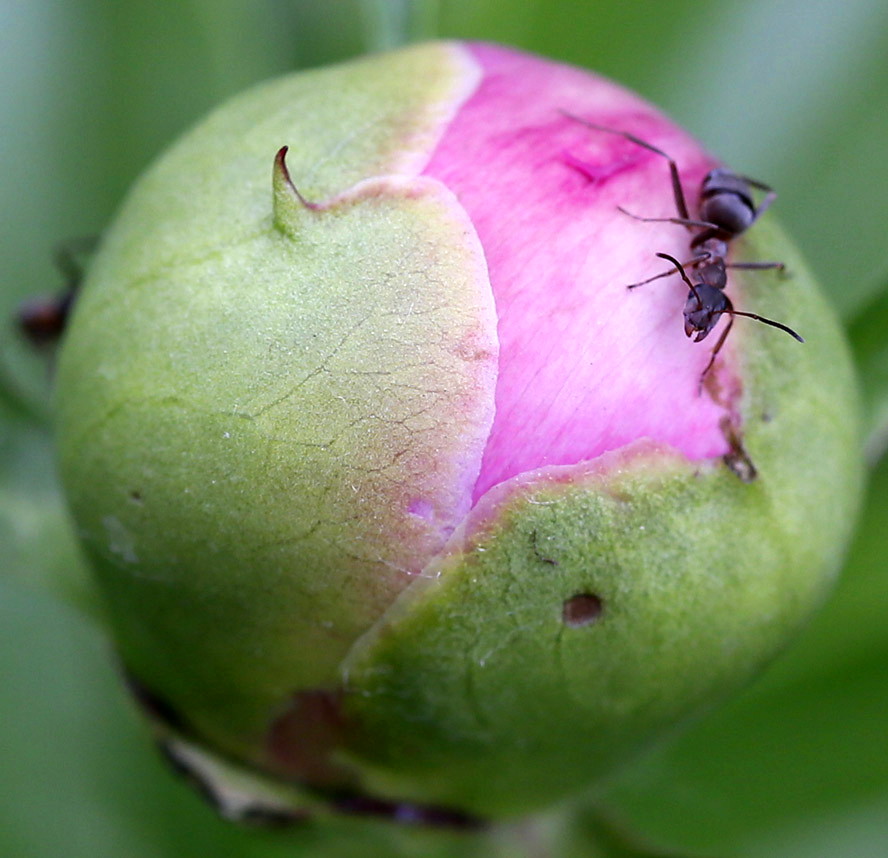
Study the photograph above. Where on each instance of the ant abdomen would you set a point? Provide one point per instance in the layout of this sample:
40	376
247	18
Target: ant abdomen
721	180
726	201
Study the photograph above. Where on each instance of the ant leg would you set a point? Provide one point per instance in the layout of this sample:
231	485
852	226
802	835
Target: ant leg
760	266
770	195
721	340
716	350
677	192
682	221
650	279
697	259
756	266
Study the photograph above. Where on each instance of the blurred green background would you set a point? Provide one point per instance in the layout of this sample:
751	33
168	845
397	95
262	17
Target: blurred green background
793	92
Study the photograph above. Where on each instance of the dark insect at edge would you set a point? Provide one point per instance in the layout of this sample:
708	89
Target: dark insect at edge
43	320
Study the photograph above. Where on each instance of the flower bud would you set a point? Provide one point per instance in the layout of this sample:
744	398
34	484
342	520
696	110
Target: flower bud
396	494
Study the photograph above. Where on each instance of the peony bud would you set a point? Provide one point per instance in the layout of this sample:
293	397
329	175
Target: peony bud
396	493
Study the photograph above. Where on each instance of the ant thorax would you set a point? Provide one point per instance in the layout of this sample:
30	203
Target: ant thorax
710	262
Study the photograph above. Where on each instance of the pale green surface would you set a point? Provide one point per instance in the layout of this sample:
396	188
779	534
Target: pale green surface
248	409
92	91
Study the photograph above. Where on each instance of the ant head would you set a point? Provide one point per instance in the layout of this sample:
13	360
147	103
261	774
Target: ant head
703	309
732	212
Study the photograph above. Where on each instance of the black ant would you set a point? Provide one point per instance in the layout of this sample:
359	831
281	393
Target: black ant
705	305
43	320
727	210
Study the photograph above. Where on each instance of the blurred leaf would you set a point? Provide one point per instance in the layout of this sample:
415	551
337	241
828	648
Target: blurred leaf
868	332
38	543
587	825
772	760
807	740
860	831
392	23
18	400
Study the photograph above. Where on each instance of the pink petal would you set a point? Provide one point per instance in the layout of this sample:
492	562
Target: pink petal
586	366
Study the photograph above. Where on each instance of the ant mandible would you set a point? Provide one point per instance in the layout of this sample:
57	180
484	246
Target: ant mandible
727	210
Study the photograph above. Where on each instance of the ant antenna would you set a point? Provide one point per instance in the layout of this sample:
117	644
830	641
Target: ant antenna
770	322
730	309
684	276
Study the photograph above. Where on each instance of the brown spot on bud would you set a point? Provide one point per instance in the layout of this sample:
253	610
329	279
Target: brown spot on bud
581	609
736	458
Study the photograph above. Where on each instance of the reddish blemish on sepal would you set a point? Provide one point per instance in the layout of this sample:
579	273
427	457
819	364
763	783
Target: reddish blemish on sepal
302	740
583	609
